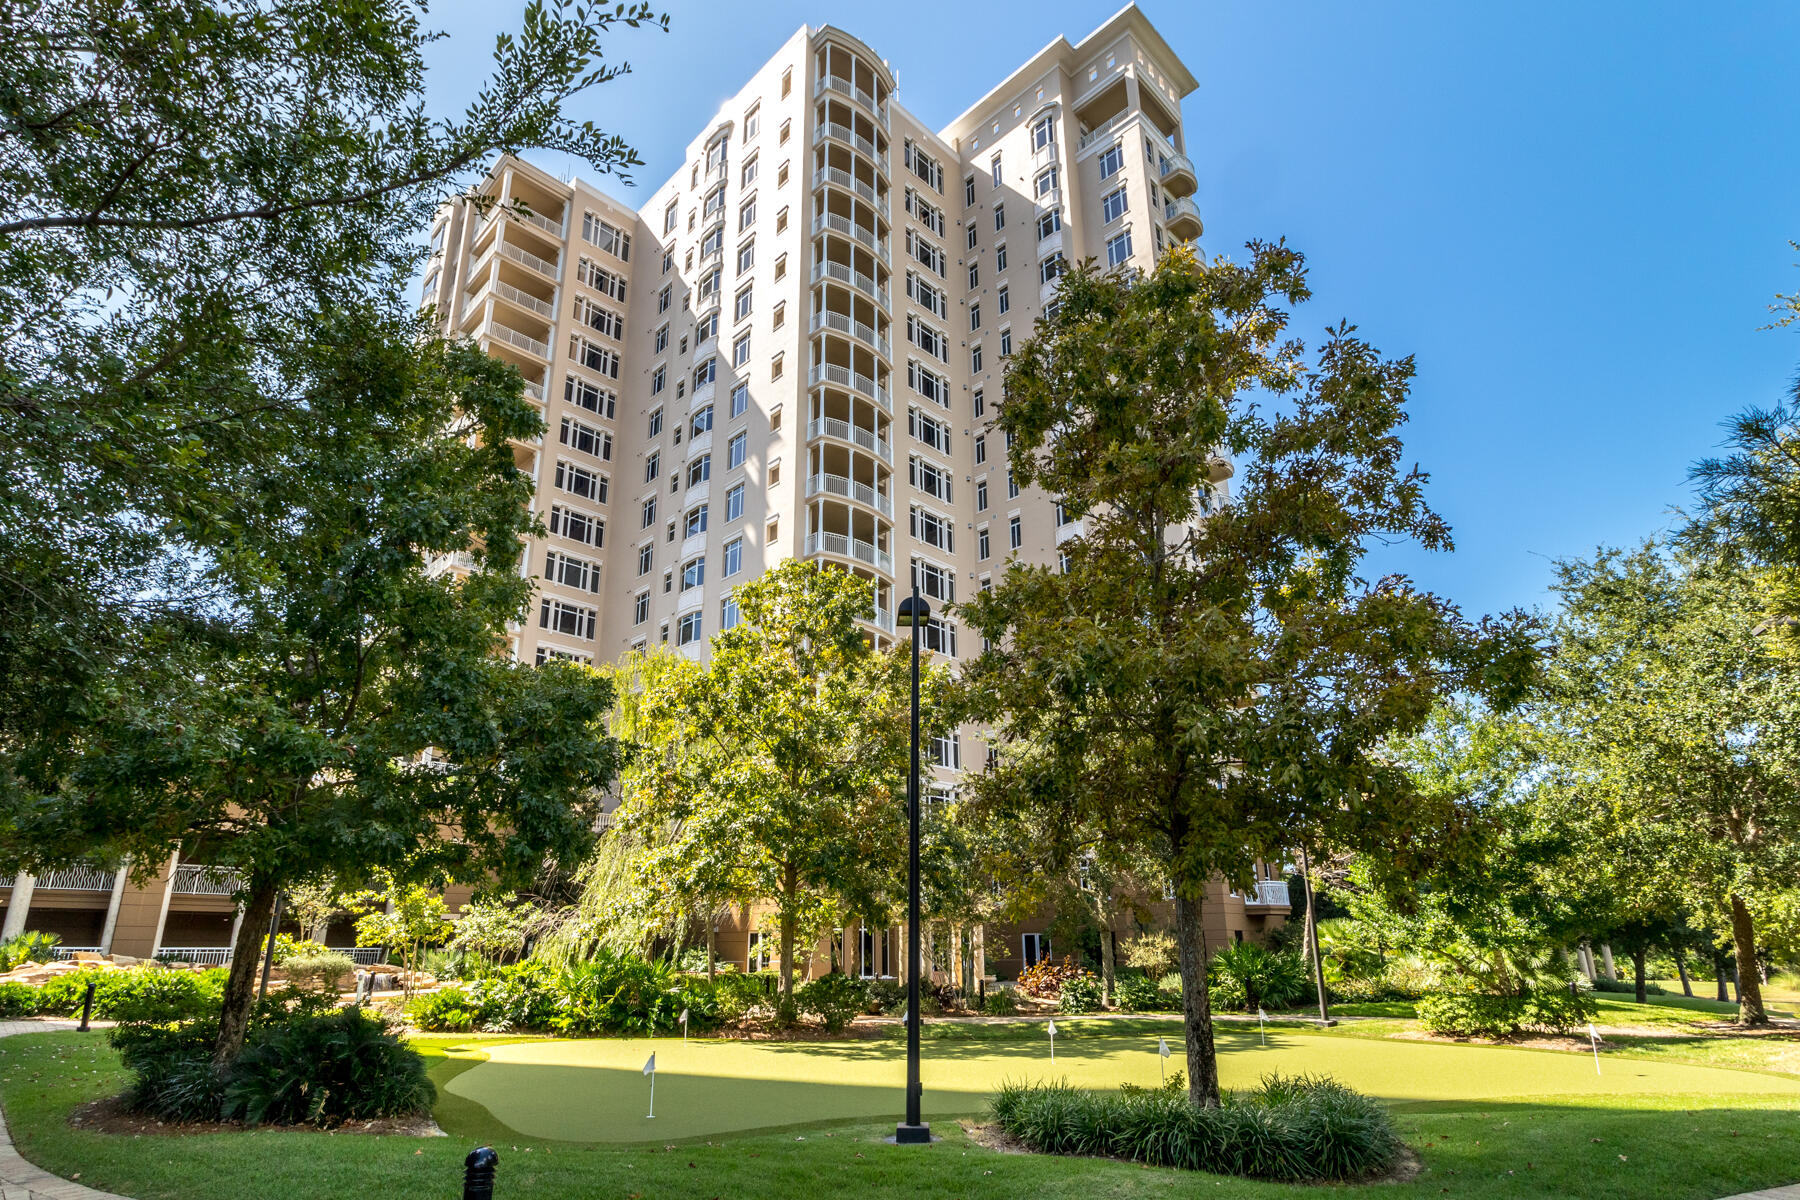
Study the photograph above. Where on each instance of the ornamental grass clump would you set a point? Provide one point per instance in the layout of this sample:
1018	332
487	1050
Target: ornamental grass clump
1298	1127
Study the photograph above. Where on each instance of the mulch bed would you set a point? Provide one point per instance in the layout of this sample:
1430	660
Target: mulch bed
109	1116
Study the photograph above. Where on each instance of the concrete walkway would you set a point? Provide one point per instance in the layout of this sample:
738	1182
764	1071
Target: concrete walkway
1781	1193
19	1180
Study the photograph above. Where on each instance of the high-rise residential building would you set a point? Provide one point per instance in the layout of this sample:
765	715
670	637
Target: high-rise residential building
792	347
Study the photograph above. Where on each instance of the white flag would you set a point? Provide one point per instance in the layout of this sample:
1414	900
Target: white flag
1593	1034
1162	1047
1052	1028
1260	1014
650	1066
684	1016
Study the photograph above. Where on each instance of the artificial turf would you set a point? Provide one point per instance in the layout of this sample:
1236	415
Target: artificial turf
595	1091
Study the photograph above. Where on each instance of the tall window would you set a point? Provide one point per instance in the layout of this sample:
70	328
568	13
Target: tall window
688	629
737	449
1118	249
1113	205
734	503
740	399
596	232
994	165
1015	533
1043	131
734	557
1112	161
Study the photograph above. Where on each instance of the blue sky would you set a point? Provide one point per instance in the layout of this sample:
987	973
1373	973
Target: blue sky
1574	216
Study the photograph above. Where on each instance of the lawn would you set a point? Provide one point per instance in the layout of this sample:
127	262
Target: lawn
1628	1136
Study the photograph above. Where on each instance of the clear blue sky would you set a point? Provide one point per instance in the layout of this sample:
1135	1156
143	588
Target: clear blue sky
1574	216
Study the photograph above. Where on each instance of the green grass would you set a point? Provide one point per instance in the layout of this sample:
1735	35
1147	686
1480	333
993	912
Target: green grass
1554	1139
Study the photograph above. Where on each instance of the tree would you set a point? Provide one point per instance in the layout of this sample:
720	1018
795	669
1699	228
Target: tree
1688	724
1208	684
409	919
350	711
187	191
778	769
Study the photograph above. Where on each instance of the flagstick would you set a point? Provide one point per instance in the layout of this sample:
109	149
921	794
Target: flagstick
652	1115
1594	1043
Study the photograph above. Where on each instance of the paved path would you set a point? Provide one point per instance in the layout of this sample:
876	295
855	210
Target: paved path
1781	1193
19	1180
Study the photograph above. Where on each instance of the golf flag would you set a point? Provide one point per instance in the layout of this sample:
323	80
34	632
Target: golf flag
1594	1042
1052	1041
650	1070
1162	1048
683	1026
1261	1016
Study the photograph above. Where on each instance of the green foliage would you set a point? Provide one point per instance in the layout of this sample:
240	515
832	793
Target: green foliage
1000	1002
1046	977
1289	1128
608	995
493	928
30	946
1080	994
1154	953
286	947
1140	993
173	1076
1544	1009
136	994
1603	984
446	1010
17	1000
325	972
1246	975
835	999
887	996
325	1070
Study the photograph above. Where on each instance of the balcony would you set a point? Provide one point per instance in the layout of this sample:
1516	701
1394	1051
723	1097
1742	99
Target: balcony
693	544
1270	893
518	296
834	223
843	546
849	489
1219	469
457	562
699	444
843	87
1099	131
534	391
689	599
838	177
495	331
1184	219
844	377
844	431
856	329
1178	177
548	268
1072	529
850	137
856	279
196	879
69	879
883	620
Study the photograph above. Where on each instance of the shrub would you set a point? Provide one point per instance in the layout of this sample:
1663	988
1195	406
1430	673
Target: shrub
616	993
1248	976
835	999
1169	987
1045	977
153	994
323	972
1627	987
1001	1002
1082	994
30	946
447	1010
17	1000
1548	1008
323	1070
172	1069
1290	1128
741	997
886	996
1139	993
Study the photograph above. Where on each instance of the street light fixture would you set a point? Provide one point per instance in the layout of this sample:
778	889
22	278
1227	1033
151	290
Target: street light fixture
913	613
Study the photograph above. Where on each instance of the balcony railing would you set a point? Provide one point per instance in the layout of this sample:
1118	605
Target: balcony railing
839	177
521	297
204	956
850	489
844	431
855	278
512	337
72	951
1099	131
459	560
837	83
844	225
76	879
1270	893
845	546
884	620
1183	212
543	266
844	133
856	329
535	391
845	377
197	879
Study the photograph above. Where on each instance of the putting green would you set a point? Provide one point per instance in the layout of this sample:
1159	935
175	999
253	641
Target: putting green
595	1091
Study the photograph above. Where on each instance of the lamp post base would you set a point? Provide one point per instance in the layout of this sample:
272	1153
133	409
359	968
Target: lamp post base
912	1135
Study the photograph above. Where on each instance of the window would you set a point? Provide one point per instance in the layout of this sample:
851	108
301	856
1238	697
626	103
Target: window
781	227
596	232
778	316
1015	533
740	399
578	435
946	751
981	495
649	513
980	404
775	366
1048	223
693	573
714	202
932	256
1043	131
668	586
741	308
728	613
932	341
1113	161
600	279
577	526
734	557
1118	249
1006	343
982	548
924	166
999	218
1003	301
928	215
781	174
1034	948
702	421
705	331
933	433
740	351
570	620
1113	205
663	297
929	478
640	608
579	481
656	422
593	356
774	473
668	260
737	450
980	448
975	359
659	379
662	339
700	470
780	267
969	192
646	553
706	372
1052	268
928	384
694	522
734	503
653	465
570	571
787	85
935	531
595	399
939	636
932	300
1062	514
974	275
752	121
687	629
1012	485
671	215
746	256
994	164
999	258
785	125
746	214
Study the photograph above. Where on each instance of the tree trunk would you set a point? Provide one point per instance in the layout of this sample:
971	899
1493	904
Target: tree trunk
1639	956
790	897
1196	1003
1108	964
1749	987
1719	974
1687	985
1306	933
239	1000
712	945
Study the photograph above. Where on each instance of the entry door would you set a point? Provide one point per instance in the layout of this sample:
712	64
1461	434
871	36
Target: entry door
1034	947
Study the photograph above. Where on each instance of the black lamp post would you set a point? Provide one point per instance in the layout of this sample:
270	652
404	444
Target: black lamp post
913	613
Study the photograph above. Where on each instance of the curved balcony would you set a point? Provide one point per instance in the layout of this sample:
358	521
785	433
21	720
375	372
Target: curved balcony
495	332
856	141
1219	469
833	223
501	290
843	546
838	85
839	323
1184	219
856	435
849	489
855	381
840	178
856	279
1178	178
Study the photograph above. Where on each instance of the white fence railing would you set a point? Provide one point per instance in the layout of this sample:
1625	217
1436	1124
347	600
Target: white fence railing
844	431
1270	893
845	546
197	879
850	489
853	277
68	951
201	956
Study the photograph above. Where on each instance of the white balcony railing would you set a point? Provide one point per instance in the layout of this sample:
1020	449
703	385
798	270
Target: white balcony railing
1099	131
77	879
535	391
884	620
856	329
844	133
522	298
205	956
845	546
844	431
845	377
1270	893
512	337
850	489
834	223
543	266
72	951
837	83
693	544
838	177
197	879
855	278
